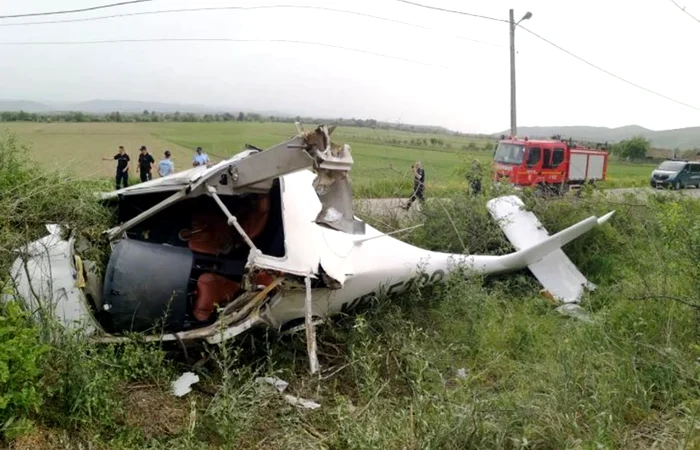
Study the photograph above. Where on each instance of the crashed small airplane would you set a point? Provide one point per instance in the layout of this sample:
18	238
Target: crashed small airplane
265	238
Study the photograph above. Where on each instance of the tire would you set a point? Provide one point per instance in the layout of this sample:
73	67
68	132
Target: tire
677	186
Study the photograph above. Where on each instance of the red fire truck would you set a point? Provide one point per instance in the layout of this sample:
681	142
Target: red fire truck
556	164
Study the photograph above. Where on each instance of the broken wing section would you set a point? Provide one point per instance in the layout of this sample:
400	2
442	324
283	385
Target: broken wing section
557	274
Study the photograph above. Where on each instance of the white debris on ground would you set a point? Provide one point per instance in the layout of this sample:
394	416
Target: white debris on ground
297	401
462	373
575	311
182	385
281	385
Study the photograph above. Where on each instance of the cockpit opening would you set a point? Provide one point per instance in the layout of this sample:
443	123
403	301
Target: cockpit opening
174	268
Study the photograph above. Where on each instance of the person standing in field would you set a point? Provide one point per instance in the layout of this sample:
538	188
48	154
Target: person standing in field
474	176
123	163
200	158
418	184
146	162
166	166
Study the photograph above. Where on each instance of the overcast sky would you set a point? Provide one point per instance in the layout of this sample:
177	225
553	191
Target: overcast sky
651	43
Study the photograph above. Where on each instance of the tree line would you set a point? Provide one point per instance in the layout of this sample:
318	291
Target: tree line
154	116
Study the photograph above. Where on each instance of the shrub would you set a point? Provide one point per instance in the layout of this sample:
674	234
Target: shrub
21	356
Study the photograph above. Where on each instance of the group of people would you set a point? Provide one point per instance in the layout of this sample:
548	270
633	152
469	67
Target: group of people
146	163
473	175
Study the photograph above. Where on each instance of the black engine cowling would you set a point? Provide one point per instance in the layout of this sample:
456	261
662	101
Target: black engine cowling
145	287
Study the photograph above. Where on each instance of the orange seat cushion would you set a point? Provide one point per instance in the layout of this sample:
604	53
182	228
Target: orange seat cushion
212	290
254	221
210	234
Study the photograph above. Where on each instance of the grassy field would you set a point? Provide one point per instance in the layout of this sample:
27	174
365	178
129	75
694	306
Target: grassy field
382	157
473	363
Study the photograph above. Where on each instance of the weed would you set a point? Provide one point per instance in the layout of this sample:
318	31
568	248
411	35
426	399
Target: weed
21	359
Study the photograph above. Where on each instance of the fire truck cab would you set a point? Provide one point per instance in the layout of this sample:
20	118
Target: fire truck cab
556	164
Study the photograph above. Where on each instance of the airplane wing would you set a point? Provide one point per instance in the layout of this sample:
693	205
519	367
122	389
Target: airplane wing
555	271
175	181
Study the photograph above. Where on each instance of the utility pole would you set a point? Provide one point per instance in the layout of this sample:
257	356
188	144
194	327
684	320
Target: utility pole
513	24
513	124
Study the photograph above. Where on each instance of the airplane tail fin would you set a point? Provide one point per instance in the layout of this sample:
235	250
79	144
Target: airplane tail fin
539	251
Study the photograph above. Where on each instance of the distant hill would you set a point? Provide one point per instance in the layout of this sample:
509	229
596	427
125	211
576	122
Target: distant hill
128	106
584	132
682	138
107	106
24	105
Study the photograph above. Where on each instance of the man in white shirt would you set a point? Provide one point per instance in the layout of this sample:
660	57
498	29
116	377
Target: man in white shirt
166	166
200	158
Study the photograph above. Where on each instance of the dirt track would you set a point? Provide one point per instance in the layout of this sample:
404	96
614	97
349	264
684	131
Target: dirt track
392	207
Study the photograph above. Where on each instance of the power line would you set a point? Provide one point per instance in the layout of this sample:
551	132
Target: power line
452	11
607	72
70	11
223	8
562	49
682	8
285	41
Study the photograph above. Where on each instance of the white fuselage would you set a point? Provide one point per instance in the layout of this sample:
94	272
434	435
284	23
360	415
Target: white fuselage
361	264
364	263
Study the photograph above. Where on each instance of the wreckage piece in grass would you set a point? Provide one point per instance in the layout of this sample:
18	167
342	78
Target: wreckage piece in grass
266	238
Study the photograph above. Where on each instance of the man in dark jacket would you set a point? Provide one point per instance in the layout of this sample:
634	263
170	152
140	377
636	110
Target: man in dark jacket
146	162
418	184
123	162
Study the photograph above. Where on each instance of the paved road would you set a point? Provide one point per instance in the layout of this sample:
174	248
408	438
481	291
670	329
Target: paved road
391	208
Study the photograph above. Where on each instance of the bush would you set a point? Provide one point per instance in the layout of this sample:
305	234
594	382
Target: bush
21	358
30	198
633	148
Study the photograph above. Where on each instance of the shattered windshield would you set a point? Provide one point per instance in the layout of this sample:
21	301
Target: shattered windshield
672	166
509	153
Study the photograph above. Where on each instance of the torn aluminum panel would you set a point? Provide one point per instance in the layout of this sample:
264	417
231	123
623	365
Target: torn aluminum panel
332	183
182	385
575	311
44	277
280	386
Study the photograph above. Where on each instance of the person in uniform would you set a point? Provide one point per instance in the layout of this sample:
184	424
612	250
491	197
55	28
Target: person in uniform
123	162
418	184
146	162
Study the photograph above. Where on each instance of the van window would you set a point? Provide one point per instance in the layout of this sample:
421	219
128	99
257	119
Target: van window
546	164
672	166
557	157
534	156
695	168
